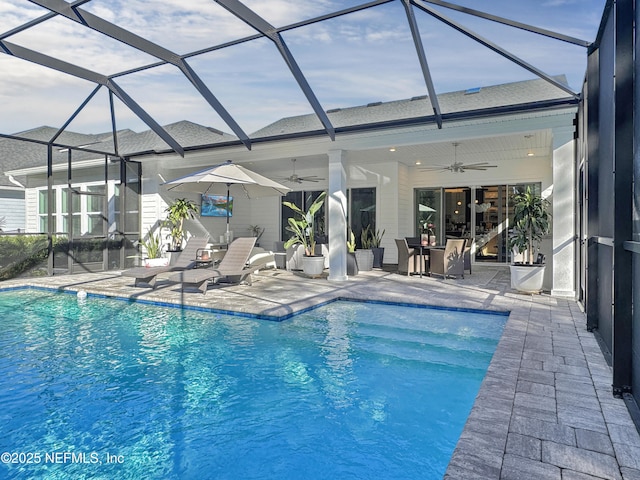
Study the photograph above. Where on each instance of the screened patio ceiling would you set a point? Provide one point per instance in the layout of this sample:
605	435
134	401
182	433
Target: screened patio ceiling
94	66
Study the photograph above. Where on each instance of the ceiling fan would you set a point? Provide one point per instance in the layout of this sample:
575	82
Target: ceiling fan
459	167
295	178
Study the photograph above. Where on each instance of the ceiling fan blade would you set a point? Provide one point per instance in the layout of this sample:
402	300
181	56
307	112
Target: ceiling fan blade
479	167
435	167
479	164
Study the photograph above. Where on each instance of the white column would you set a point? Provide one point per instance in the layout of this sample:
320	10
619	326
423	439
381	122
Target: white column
337	209
564	235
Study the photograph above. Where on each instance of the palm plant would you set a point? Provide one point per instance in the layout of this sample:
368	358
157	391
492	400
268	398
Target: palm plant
302	225
365	237
531	222
180	210
351	241
256	231
152	245
376	238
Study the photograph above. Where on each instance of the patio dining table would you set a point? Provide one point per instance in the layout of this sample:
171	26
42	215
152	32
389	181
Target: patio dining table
423	251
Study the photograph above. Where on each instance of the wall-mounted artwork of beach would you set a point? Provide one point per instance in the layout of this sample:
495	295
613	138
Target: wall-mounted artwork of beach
216	205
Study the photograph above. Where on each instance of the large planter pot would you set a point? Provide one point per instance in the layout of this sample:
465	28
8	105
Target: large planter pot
364	258
352	264
173	256
378	256
155	262
313	266
527	278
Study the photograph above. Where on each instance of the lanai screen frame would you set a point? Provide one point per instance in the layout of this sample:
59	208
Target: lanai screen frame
74	12
611	152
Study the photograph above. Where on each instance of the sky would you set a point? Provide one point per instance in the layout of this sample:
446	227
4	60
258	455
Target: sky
351	60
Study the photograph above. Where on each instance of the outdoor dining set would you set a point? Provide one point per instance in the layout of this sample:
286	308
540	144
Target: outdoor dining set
416	257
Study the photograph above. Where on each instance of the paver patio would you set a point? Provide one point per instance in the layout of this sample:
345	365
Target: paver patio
545	408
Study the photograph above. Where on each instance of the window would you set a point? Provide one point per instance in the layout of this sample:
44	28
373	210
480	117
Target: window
95	218
79	210
43	208
361	205
362	211
429	211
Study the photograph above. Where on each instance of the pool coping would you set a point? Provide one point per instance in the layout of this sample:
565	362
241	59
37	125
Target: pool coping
276	318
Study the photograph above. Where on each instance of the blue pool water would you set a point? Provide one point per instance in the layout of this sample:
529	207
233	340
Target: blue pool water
109	389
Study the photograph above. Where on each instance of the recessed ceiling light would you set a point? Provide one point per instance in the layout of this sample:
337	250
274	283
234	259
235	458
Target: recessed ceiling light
392	149
529	148
418	162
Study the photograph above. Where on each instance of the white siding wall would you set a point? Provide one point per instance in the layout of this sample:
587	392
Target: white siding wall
405	208
12	208
31	205
266	213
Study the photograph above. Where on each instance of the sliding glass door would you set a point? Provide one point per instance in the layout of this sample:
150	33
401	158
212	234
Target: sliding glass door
482	215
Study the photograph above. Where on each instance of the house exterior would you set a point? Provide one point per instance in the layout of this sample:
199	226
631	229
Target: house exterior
386	161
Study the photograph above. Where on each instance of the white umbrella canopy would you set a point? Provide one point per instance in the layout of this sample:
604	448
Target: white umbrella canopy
425	208
231	176
252	184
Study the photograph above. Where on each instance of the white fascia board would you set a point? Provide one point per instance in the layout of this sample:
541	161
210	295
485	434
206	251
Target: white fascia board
57	167
13	189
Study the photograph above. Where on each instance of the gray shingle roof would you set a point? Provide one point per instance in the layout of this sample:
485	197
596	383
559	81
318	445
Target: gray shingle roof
487	97
16	154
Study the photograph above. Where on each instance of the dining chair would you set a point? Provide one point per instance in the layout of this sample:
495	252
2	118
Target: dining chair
448	261
407	257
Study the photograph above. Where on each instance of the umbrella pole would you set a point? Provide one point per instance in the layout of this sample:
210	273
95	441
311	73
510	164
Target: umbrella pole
227	234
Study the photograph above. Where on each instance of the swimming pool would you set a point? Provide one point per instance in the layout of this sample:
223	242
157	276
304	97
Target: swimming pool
104	388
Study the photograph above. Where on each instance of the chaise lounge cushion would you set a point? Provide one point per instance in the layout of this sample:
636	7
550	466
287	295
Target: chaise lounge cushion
232	267
147	276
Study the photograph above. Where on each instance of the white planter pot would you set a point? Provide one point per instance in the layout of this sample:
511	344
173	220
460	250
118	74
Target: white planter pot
156	262
313	266
365	260
527	278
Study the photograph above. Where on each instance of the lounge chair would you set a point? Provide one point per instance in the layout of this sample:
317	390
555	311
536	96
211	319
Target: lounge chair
147	276
232	267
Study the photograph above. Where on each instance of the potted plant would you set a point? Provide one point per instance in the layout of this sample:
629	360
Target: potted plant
153	249
301	225
376	249
364	255
531	222
352	263
256	231
180	210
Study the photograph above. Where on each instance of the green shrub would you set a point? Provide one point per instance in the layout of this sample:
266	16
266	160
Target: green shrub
20	253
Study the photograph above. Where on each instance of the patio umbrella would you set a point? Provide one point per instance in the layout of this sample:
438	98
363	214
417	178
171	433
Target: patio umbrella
425	208
252	185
